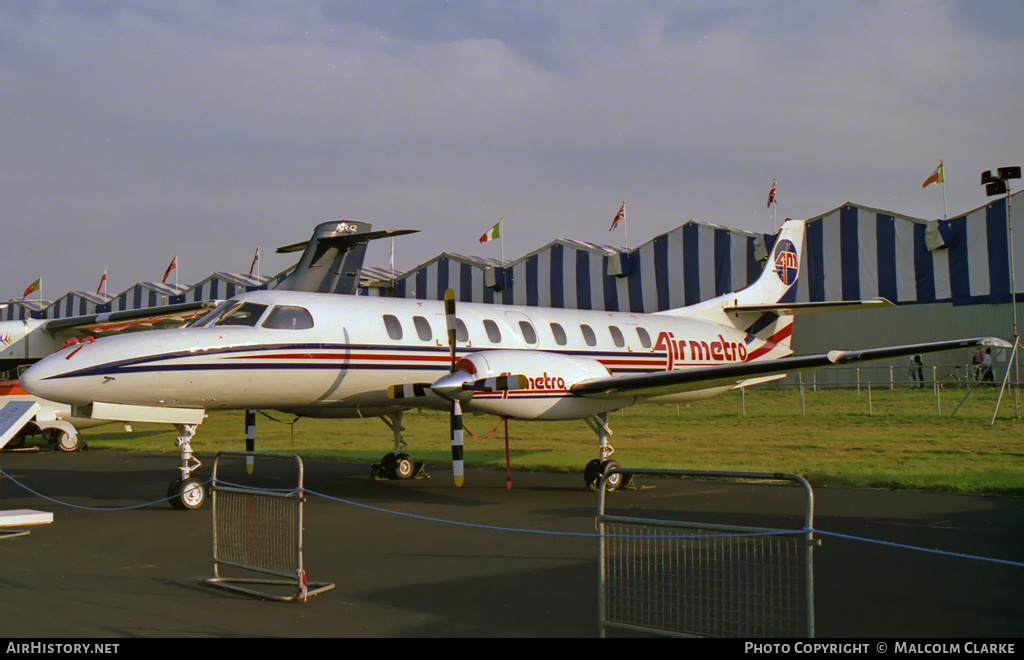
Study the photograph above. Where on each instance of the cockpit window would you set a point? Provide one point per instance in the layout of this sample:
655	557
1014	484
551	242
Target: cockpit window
246	314
286	317
214	313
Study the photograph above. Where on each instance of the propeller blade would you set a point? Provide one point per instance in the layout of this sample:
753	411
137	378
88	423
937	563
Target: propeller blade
456	424
456	416
408	390
449	319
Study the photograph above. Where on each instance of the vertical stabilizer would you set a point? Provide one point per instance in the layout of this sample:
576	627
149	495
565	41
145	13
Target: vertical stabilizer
777	283
332	258
770	330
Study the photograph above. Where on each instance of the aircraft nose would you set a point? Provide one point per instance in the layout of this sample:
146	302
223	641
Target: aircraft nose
36	380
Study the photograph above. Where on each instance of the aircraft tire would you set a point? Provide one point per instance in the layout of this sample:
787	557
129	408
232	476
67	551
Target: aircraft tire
591	473
403	467
187	494
64	441
615	482
387	465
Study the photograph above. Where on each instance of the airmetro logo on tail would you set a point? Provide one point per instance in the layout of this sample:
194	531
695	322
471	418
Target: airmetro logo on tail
787	264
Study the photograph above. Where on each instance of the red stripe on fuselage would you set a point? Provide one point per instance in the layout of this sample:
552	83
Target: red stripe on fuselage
772	342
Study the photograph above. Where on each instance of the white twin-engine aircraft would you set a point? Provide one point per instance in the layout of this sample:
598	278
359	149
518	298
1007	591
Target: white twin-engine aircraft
333	355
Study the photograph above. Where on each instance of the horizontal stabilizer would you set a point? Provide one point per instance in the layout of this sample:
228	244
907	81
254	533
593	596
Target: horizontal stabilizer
811	307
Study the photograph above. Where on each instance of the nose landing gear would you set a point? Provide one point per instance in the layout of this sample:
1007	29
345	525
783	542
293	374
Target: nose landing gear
186	492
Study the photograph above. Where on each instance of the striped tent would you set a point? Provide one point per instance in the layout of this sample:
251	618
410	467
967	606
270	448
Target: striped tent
856	252
686	265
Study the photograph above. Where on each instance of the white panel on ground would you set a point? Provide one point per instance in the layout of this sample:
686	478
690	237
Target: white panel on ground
25	517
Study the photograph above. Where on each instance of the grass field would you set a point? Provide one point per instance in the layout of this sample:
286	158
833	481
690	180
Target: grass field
902	443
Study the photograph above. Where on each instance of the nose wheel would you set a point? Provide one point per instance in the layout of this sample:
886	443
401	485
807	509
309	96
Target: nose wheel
597	468
186	492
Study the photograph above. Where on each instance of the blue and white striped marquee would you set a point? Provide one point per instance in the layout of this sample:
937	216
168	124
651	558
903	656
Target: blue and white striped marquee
673	270
76	303
221	286
855	252
852	252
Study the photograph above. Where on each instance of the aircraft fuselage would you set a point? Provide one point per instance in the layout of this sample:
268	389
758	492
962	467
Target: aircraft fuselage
336	355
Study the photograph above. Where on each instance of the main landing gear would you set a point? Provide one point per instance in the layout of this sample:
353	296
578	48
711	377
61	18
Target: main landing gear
596	469
396	464
186	492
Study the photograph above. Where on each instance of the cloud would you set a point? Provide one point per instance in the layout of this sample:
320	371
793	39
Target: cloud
133	129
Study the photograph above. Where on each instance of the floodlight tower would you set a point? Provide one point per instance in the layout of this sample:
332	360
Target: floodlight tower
999	184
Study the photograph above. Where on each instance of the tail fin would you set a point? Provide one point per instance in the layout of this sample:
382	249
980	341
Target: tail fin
777	283
775	287
332	258
759	308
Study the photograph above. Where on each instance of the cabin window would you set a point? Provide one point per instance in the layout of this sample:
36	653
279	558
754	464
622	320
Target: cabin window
461	333
393	326
286	317
493	333
529	334
246	314
645	339
422	328
559	334
616	336
588	335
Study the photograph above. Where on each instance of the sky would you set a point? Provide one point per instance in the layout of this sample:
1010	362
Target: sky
133	131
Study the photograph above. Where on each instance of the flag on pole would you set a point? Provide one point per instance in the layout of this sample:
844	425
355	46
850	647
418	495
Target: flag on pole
255	260
771	195
621	215
493	233
172	266
103	280
35	286
935	177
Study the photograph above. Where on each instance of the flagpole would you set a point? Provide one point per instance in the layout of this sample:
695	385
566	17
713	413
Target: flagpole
945	214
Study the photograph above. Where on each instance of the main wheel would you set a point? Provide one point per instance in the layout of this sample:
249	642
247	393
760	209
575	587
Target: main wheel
615	481
387	465
591	473
186	494
403	468
64	441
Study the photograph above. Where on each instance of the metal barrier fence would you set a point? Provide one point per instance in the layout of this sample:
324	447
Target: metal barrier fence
261	530
690	579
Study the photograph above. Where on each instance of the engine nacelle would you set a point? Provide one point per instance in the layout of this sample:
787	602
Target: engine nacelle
547	396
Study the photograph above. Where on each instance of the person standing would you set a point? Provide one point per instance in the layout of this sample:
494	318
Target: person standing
986	367
916	372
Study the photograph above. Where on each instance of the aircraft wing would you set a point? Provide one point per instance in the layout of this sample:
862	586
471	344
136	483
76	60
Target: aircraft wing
699	378
130	320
